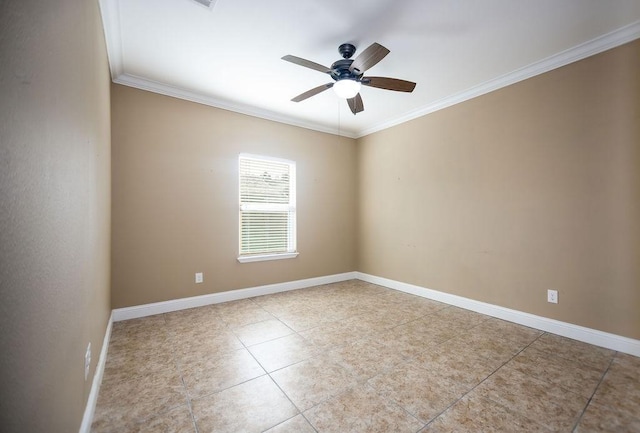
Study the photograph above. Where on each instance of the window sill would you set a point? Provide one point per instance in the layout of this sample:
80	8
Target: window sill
265	257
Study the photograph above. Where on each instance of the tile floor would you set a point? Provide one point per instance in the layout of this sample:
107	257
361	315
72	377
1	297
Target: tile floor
356	357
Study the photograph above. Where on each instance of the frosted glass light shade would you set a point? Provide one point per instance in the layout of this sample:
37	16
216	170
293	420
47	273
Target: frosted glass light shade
346	88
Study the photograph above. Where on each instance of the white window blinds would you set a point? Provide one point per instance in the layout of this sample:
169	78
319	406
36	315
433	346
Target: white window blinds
267	206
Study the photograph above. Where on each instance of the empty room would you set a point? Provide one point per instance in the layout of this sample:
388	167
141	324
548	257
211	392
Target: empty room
320	216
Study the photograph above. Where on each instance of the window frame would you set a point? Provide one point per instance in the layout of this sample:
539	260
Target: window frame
292	251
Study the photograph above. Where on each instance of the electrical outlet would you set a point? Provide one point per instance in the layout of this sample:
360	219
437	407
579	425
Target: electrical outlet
552	296
87	361
199	277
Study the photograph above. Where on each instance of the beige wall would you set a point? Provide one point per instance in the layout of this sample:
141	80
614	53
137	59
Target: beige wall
175	198
55	218
532	187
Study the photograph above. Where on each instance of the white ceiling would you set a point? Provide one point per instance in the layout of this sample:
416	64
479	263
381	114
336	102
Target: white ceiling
229	56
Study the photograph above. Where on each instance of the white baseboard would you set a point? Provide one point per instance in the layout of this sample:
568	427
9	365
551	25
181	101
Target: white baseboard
580	333
90	408
232	295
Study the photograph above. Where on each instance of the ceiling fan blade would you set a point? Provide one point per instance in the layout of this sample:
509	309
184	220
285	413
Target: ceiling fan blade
368	58
312	92
307	63
389	84
356	104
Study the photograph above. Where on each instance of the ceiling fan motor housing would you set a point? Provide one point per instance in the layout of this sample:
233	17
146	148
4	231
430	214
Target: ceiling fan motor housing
340	70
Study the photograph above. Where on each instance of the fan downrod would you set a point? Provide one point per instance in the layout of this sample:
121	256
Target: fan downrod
347	50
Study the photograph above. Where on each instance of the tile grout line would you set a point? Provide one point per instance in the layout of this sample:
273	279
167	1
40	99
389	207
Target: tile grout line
180	372
358	383
267	373
575	426
407	359
485	379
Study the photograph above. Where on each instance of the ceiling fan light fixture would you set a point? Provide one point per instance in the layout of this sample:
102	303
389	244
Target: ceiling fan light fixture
347	88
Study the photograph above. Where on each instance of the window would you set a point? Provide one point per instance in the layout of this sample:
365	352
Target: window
267	208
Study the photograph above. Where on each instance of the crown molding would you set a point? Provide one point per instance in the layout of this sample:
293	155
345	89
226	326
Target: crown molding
111	18
602	43
176	92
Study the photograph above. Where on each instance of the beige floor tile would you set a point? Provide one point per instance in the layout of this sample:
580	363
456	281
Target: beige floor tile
385	305
260	332
418	310
297	424
192	322
620	389
363	288
321	304
222	371
291	308
460	316
366	358
176	420
361	410
282	352
194	353
503	330
555	407
140	342
373	323
412	338
309	382
477	414
630	362
252	406
489	347
574	376
305	318
411	305
134	337
421	394
333	335
123	363
600	419
597	357
442	327
144	327
342	308
137	399
243	312
197	331
282	301
462	364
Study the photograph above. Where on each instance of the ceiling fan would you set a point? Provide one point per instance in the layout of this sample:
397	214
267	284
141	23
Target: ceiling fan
348	75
